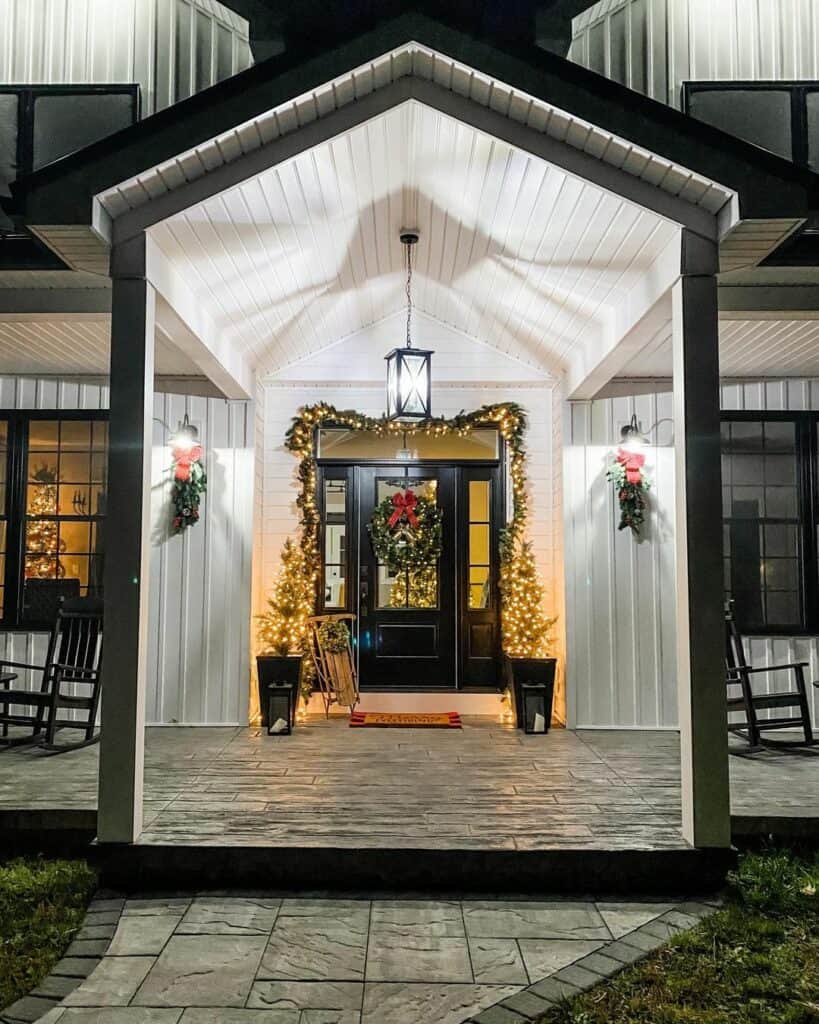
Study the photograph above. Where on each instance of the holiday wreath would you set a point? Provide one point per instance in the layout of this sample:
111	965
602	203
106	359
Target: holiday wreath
189	484
405	530
626	471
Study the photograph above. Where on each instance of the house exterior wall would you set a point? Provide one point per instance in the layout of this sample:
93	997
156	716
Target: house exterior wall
200	581
653	46
621	662
172	48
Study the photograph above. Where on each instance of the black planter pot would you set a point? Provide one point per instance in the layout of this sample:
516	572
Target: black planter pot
272	668
541	672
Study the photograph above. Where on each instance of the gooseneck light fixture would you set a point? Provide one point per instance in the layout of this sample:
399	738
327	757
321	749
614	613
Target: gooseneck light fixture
186	436
632	437
409	370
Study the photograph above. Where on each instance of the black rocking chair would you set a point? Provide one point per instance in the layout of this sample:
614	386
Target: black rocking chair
72	660
742	698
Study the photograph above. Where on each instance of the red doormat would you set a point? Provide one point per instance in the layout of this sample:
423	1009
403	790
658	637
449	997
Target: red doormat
389	720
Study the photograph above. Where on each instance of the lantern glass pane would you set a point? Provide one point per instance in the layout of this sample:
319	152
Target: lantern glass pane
392	385
413	385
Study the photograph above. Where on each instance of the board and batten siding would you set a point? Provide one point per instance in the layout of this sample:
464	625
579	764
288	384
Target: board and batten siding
171	48
199	625
653	46
620	592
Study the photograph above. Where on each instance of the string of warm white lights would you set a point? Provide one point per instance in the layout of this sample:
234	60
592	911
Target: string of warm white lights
525	628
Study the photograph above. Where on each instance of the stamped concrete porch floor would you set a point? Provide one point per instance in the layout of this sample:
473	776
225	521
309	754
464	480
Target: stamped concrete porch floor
483	787
261	959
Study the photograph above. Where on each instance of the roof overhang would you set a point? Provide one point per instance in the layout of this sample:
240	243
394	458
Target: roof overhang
594	115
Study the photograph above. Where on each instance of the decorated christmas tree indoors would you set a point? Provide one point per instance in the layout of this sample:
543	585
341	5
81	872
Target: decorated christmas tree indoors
423	588
42	535
526	629
283	627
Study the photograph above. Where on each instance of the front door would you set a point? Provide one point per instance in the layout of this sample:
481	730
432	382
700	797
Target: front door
407	618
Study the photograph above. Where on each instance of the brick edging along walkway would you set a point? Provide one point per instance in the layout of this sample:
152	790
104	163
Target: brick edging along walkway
536	1000
87	948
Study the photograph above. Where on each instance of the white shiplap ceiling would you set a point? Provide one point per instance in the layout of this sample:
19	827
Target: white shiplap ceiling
73	345
513	251
747	348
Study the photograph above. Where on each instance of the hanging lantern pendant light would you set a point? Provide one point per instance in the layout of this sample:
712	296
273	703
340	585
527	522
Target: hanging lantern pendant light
409	370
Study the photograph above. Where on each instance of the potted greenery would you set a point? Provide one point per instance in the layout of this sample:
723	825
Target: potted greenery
526	630
283	627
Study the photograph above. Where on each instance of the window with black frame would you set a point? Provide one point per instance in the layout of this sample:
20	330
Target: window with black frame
54	474
768	514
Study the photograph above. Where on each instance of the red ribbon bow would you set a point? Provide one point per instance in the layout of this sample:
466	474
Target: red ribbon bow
183	459
403	505
632	463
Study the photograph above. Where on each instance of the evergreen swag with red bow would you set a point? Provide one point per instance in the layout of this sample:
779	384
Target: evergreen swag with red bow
189	484
405	530
626	471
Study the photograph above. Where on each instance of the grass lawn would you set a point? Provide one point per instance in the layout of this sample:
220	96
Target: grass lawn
755	962
42	904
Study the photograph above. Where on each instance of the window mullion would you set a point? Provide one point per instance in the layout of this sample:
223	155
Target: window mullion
810	518
16	521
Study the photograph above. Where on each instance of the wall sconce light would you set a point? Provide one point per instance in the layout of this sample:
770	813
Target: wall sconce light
632	437
186	436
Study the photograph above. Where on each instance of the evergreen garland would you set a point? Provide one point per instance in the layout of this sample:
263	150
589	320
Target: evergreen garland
510	420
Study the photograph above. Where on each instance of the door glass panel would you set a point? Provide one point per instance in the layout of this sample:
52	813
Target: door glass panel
339	443
480	578
406	588
335	543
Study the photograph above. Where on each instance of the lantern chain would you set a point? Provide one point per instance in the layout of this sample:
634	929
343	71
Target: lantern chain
409	294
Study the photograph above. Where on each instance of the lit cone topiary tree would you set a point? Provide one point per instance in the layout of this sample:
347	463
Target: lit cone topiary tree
526	628
283	627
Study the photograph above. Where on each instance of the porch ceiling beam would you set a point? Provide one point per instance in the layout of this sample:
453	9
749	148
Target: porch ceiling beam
182	320
54	301
636	320
559	154
766	302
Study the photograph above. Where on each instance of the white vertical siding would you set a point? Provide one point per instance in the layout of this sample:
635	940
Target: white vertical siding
152	42
697	39
200	581
619	607
620	593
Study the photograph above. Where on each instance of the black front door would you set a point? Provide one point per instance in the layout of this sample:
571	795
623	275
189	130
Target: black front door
407	620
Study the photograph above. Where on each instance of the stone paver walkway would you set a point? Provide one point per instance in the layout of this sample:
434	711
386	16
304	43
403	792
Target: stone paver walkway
261	959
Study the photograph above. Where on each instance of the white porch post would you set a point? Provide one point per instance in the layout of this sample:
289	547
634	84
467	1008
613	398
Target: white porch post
700	625
127	548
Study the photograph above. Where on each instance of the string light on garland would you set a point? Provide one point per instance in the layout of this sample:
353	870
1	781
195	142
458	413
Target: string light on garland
524	626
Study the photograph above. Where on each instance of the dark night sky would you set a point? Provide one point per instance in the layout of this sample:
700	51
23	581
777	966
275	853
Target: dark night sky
273	21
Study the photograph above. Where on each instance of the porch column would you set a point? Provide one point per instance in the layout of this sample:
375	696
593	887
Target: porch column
125	645
700	626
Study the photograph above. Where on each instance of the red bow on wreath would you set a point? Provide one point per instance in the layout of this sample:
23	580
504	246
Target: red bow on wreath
403	507
183	459
632	463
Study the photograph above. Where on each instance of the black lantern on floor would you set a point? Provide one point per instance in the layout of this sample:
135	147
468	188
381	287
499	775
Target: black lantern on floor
537	703
409	370
281	709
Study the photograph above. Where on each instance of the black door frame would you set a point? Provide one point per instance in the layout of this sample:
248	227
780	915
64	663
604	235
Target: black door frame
471	675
